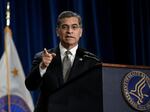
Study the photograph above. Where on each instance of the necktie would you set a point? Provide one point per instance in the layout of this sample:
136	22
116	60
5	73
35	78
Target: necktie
66	65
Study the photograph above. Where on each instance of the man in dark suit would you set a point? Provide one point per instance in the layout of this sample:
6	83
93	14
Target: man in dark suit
48	71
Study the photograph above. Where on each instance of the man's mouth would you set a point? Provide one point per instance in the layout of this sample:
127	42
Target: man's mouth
69	37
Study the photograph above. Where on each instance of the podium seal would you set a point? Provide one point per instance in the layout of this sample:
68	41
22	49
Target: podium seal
136	90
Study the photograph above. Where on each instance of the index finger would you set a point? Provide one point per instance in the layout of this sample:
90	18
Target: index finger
45	51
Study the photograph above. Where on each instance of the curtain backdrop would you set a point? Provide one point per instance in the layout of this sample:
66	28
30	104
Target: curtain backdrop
116	31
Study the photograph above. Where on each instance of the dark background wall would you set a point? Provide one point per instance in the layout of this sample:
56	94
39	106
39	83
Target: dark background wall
117	31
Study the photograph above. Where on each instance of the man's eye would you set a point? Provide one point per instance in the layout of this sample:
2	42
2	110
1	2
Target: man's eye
64	27
74	27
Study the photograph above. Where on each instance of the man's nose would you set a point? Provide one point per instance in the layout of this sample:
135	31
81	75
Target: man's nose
69	30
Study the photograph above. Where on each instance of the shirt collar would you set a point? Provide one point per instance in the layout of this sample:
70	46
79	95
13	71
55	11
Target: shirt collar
63	50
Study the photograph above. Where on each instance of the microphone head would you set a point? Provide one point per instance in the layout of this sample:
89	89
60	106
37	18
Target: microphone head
90	56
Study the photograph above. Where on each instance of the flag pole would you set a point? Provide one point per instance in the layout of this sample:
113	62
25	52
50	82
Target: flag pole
6	31
8	14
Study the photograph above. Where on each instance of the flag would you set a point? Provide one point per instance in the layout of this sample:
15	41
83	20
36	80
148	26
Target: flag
14	97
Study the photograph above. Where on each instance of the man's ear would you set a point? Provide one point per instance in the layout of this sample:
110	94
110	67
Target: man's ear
57	32
81	32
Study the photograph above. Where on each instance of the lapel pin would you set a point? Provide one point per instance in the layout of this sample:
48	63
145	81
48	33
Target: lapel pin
80	59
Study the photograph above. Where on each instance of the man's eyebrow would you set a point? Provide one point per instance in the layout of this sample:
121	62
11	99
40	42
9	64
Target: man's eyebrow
71	24
74	24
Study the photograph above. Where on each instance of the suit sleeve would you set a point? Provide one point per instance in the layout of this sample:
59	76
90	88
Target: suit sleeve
34	79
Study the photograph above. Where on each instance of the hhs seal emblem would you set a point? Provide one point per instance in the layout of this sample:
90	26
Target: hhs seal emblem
136	90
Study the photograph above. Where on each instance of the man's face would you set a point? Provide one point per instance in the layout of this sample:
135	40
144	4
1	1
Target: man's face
69	32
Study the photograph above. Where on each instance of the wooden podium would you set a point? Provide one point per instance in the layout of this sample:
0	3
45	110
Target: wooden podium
113	74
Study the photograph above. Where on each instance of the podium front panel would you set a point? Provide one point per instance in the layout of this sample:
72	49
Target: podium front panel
113	100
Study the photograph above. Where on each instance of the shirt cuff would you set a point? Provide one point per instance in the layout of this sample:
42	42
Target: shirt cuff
42	71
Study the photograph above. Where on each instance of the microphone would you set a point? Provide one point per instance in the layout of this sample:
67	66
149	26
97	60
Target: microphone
88	53
87	56
91	56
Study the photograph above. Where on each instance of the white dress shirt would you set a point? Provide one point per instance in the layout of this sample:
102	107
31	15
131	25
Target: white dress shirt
71	56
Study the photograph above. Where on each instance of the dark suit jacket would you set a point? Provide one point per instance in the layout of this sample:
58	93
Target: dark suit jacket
52	80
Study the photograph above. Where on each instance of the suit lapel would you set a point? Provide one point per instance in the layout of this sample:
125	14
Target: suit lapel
57	66
78	64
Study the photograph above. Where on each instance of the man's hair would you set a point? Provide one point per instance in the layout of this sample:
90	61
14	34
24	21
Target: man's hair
68	14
